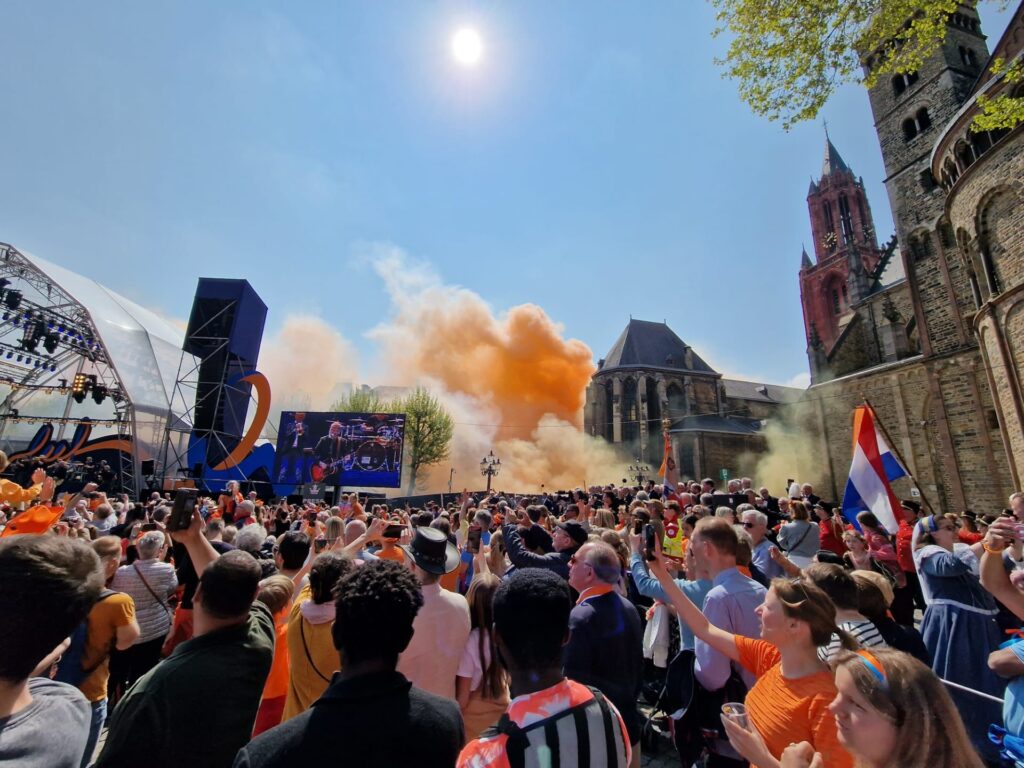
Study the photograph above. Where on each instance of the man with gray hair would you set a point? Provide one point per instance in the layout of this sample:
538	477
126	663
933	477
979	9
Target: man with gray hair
605	646
245	513
251	539
755	523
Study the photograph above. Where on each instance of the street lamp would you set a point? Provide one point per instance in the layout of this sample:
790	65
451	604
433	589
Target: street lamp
639	472
490	466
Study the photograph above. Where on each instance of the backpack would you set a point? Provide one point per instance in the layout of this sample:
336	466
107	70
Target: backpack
69	668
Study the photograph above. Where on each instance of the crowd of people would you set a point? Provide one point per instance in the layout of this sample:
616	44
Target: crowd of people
503	630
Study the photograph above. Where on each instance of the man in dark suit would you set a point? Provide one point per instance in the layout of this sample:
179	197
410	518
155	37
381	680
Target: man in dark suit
290	447
807	491
605	647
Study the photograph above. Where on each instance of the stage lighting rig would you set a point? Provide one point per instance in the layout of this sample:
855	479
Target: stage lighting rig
12	299
50	342
30	339
99	393
80	387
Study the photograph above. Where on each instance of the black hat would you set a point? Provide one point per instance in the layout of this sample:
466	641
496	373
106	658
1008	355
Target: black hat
576	531
431	551
912	505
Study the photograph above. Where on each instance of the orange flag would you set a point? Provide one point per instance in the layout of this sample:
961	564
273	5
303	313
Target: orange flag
37	519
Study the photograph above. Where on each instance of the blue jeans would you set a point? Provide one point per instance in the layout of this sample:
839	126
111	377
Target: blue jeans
99	715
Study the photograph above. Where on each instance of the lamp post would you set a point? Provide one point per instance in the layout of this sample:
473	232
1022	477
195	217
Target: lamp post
490	466
638	472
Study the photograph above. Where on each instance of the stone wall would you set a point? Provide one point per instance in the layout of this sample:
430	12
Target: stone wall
940	419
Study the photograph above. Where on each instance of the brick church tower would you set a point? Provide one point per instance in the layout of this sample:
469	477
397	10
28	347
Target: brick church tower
845	248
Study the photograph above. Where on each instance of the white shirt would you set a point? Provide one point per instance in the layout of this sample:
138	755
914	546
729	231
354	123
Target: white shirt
471	665
439	636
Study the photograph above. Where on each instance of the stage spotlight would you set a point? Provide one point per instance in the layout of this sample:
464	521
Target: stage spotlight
19	358
79	387
13	299
7	316
99	393
10	355
31	338
50	342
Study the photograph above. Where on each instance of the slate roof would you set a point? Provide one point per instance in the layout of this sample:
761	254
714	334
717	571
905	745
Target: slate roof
644	344
769	393
833	161
805	260
722	424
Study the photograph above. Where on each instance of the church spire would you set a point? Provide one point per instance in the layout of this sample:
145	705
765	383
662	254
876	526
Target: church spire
833	162
805	260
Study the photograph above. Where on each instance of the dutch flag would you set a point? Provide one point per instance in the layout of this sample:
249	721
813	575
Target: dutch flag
874	465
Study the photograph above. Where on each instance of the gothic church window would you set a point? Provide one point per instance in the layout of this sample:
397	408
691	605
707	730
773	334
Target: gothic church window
909	128
835	302
827	210
924	122
844	216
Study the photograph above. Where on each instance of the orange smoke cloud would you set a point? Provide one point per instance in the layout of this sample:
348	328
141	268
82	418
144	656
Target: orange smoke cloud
511	381
517	363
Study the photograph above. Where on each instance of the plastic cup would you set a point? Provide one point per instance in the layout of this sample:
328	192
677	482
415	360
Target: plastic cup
736	712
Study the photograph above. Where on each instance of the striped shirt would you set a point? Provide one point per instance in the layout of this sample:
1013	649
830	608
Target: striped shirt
864	632
566	725
154	617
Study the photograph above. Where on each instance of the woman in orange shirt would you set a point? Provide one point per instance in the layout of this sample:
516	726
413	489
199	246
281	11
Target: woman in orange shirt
789	702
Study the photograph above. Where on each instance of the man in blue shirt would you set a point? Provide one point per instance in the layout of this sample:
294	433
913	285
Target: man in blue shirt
648	586
729	605
756	524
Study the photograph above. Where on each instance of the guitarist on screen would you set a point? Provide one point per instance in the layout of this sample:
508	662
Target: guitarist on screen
329	451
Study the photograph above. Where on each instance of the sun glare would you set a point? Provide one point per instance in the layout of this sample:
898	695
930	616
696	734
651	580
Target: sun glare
467	47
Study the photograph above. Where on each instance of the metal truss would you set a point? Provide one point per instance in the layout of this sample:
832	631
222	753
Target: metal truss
185	400
44	309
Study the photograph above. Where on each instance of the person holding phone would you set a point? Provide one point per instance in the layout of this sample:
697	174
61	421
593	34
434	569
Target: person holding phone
788	702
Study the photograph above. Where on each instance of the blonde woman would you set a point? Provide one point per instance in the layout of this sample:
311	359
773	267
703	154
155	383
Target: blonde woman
891	711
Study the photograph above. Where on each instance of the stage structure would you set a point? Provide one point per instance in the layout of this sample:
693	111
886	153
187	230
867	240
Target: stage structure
206	443
80	357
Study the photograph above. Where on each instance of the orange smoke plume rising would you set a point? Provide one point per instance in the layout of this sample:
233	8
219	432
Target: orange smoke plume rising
512	381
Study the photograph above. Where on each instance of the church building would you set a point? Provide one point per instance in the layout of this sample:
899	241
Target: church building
928	327
651	380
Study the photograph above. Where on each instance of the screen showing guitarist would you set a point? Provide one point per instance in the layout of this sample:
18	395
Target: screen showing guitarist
330	451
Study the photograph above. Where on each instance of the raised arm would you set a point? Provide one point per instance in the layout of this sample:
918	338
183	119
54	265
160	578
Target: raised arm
722	641
993	574
199	548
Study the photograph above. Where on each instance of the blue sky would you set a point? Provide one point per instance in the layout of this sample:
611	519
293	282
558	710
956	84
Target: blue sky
595	163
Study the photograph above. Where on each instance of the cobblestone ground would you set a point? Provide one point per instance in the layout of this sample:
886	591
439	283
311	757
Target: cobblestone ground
665	756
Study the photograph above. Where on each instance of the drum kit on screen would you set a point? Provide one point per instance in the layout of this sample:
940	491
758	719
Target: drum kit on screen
366	449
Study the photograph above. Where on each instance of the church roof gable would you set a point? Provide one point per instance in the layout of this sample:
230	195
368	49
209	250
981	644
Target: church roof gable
644	344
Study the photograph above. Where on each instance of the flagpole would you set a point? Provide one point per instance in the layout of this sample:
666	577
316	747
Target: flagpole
894	449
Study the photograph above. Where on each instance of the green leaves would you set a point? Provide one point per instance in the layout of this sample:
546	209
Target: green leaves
789	56
1004	110
428	432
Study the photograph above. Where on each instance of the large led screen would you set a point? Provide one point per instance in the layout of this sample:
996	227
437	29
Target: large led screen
344	449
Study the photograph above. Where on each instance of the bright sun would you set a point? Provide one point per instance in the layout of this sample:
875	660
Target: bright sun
467	47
